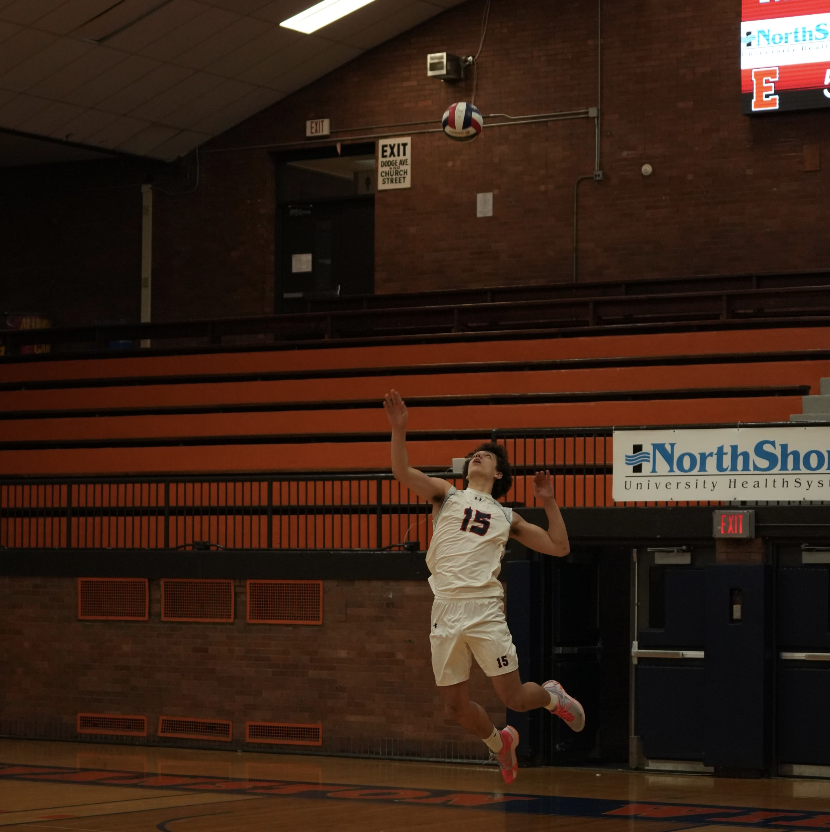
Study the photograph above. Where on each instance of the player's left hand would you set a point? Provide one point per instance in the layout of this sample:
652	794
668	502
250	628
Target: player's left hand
543	486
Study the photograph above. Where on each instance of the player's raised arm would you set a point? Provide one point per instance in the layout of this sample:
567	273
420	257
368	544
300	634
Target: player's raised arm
428	488
554	541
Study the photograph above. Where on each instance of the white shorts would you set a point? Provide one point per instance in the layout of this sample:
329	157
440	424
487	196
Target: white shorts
463	629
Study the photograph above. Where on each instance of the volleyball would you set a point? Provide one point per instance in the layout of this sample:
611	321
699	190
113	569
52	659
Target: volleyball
462	121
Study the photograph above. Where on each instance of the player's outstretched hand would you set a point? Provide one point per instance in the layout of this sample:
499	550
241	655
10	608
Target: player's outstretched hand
395	409
543	486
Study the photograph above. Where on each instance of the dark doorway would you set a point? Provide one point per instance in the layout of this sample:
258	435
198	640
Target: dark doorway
326	226
570	621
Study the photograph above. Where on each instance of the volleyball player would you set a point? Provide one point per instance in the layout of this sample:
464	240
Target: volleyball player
470	530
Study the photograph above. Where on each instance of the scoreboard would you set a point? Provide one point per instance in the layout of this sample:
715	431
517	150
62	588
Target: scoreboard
785	55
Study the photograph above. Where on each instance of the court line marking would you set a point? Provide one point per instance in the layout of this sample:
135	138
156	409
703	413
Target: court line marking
705	815
31	816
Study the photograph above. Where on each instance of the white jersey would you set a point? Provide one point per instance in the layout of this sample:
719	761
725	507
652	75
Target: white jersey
469	535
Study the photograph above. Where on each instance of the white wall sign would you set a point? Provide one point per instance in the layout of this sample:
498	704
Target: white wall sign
788	463
318	127
395	163
300	263
484	205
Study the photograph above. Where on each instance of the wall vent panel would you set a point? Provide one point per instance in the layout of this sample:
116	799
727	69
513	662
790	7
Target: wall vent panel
285	602
283	733
113	599
197	600
195	729
113	724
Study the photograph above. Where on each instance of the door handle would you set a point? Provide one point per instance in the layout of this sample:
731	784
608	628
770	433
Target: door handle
667	654
806	657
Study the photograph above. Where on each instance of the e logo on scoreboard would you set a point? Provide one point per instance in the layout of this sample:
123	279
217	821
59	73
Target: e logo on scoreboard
763	88
785	55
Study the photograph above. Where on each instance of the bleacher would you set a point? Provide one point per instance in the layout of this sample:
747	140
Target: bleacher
318	409
284	443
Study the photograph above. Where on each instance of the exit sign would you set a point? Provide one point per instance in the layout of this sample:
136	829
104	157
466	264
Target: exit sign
733	523
318	127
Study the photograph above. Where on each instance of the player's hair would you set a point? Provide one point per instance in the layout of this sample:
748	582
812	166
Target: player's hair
500	486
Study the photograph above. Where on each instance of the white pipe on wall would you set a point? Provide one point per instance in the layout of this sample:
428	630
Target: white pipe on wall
146	256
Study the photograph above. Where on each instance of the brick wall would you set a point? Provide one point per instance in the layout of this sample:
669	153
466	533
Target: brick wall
728	194
365	674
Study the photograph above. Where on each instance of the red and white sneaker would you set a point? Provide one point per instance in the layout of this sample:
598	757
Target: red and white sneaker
506	758
565	706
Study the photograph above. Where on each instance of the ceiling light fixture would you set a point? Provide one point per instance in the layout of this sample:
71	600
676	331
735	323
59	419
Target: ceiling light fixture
322	14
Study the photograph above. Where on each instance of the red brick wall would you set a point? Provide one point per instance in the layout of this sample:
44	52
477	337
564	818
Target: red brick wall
729	194
365	674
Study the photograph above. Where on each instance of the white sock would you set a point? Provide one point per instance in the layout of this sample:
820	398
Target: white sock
554	701
493	742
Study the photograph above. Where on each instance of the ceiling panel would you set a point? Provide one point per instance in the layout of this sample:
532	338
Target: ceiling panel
160	107
155	26
381	30
295	53
275	11
95	63
237	111
336	55
146	88
148	139
208	23
8	29
232	37
27	12
71	15
158	77
118	16
50	118
199	109
21	46
44	64
245	7
117	132
125	72
20	108
254	52
87	123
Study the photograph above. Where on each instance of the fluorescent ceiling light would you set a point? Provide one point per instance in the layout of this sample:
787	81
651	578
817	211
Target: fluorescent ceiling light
322	14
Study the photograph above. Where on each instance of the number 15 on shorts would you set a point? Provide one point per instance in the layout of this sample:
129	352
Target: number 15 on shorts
502	662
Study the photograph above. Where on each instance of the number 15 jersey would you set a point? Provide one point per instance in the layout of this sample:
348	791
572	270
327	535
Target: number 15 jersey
469	535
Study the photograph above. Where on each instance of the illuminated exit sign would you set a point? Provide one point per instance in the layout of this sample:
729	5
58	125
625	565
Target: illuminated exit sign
733	523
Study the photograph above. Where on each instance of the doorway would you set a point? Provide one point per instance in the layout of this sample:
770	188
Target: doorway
326	226
570	621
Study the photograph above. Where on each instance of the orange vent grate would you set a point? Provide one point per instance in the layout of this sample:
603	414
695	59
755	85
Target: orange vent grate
195	729
113	599
197	600
115	724
285	602
283	733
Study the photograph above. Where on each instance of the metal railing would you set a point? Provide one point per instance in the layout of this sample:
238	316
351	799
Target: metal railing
368	510
806	301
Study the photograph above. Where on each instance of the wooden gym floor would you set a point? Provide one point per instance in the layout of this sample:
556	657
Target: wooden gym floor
70	787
